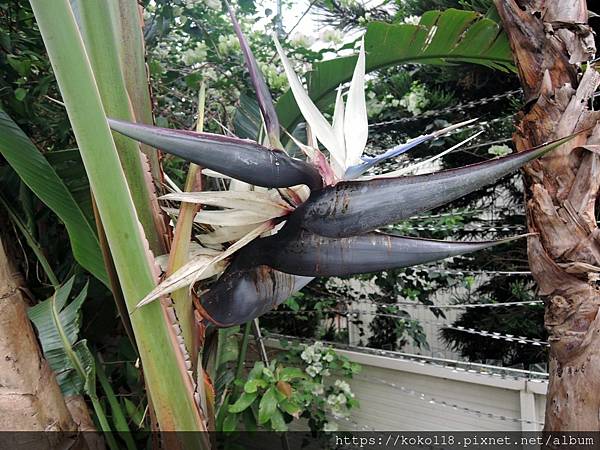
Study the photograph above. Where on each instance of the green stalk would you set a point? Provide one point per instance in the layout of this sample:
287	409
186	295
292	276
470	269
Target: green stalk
78	365
33	244
164	370
104	426
130	43
113	277
99	37
118	417
180	247
243	350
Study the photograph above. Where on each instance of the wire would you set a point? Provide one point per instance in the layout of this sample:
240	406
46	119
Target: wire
459	107
484	333
452	364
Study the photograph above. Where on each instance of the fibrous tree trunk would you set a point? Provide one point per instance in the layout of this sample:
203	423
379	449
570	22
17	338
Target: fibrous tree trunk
30	397
551	41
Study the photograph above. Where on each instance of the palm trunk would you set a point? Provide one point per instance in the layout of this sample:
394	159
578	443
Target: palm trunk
550	38
30	398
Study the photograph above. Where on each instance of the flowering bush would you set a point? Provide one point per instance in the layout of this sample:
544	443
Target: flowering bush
325	397
416	100
274	395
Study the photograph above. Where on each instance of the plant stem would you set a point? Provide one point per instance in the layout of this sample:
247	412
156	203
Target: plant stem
98	33
119	419
243	350
33	244
180	247
170	388
104	425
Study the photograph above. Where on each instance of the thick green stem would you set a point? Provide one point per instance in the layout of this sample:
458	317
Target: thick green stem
100	43
181	246
164	370
130	43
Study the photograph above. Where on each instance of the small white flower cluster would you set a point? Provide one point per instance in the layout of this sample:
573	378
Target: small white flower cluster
415	100
332	36
338	399
376	105
344	387
412	20
228	44
194	55
275	80
338	402
213	4
499	150
315	355
302	40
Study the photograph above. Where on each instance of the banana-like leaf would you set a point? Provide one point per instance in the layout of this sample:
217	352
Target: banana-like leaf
238	158
39	175
263	96
442	37
353	207
241	295
58	327
306	254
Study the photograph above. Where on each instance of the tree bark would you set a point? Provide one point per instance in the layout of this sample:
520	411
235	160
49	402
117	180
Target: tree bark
550	39
30	398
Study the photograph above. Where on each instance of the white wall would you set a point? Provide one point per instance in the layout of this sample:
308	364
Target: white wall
384	407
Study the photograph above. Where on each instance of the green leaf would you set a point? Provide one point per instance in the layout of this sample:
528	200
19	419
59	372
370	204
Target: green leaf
58	326
230	422
277	421
249	420
290	407
68	166
39	175
267	405
257	370
290	373
134	413
245	400
164	376
442	37
20	94
253	384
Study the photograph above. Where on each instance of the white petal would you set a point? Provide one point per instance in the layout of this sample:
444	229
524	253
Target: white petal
260	229
202	267
225	234
231	217
185	276
338	128
214	174
225	218
259	202
356	126
311	113
195	250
